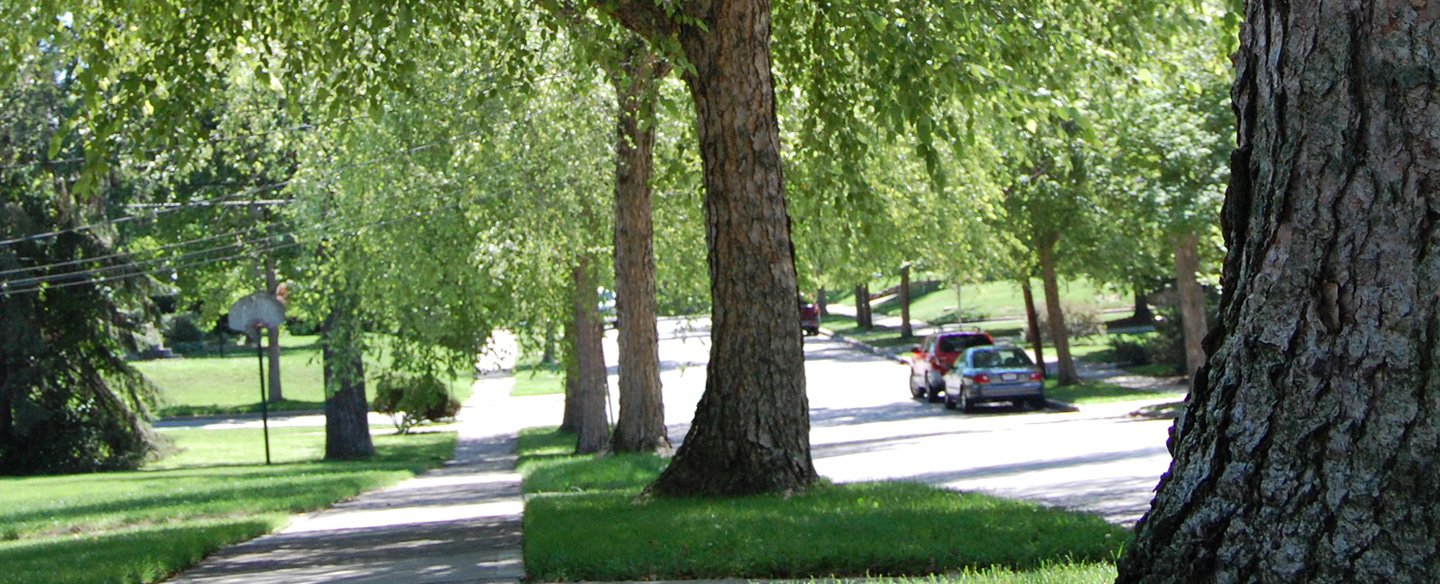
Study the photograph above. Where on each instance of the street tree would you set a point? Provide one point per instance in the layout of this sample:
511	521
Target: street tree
1310	436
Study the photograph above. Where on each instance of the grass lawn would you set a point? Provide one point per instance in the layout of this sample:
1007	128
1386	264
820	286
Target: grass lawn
538	380
212	384
1091	391
996	300
584	522
140	526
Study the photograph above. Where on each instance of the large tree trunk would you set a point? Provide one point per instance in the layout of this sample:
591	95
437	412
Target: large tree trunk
751	432
821	304
1055	316
905	330
1192	300
1310	444
641	423
274	392
347	424
1032	324
590	382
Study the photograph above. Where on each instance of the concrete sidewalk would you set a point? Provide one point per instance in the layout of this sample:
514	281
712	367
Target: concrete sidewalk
458	523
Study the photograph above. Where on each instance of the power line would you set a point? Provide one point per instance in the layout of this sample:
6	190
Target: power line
214	200
128	270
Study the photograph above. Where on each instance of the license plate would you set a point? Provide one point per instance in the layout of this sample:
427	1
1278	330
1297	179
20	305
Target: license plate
1009	376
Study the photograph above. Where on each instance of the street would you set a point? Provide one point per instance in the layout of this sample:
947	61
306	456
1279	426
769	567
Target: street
865	426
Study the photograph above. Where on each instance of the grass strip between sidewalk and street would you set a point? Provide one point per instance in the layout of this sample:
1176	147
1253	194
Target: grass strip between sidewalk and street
584	520
124	527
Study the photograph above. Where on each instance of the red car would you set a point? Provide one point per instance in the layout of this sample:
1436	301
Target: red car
929	362
809	318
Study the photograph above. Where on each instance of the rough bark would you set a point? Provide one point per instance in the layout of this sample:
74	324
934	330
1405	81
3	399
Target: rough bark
1192	300
640	425
1055	317
590	383
905	330
273	391
821	303
347	425
1310	444
751	431
1032	323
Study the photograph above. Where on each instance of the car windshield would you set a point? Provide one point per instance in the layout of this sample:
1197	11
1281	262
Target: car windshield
1000	358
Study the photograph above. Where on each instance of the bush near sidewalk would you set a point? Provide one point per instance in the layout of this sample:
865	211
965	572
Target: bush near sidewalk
141	526
583	521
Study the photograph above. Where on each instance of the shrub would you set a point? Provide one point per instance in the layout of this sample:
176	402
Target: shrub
1130	350
181	329
411	400
1081	320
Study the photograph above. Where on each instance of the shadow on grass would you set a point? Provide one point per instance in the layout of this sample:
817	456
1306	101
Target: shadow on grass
287	405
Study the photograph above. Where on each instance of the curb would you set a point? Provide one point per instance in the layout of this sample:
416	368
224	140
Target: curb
862	345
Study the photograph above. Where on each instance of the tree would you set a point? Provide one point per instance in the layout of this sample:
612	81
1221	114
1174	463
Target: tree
641	423
755	385
69	304
1308	444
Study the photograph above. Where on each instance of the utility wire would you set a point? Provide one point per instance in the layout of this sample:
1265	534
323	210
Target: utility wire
206	202
27	285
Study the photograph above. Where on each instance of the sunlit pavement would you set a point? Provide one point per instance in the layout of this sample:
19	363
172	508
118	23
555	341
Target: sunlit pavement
458	523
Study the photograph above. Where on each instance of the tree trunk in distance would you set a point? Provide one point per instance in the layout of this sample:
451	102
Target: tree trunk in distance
1192	300
821	303
1142	312
959	303
570	419
1064	366
274	392
862	307
640	427
7	407
1310	443
590	383
905	331
751	432
347	423
1032	324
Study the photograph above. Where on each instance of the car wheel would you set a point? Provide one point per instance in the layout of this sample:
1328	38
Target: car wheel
1037	403
950	402
933	395
915	390
965	405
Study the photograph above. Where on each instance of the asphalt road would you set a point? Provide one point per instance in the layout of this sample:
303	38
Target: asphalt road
865	426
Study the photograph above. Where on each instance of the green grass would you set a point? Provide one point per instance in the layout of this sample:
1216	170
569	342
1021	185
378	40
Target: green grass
538	380
140	526
212	384
583	521
1092	391
995	300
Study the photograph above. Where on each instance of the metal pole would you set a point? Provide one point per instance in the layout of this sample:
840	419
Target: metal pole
264	404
